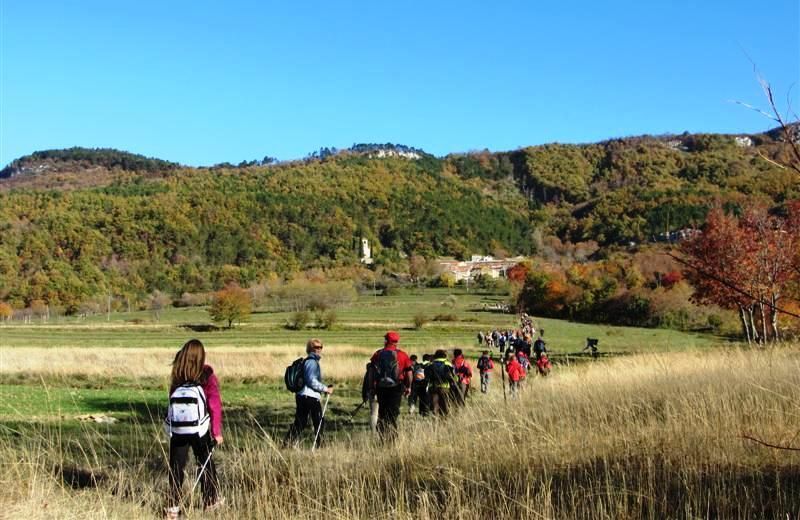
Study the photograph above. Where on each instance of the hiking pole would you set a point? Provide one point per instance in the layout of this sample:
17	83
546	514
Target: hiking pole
202	469
354	412
319	427
503	374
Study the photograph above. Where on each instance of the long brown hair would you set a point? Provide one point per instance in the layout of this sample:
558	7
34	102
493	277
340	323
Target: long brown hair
188	364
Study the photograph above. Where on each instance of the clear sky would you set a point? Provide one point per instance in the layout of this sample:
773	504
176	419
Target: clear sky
202	82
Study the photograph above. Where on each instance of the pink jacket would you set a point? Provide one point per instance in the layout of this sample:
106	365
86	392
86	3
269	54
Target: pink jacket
213	400
211	388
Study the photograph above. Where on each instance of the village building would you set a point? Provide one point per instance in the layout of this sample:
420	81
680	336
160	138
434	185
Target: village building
478	265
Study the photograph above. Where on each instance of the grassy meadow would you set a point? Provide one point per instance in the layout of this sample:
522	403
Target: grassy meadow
655	433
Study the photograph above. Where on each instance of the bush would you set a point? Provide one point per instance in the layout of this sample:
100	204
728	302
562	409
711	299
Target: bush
299	320
420	320
445	317
327	320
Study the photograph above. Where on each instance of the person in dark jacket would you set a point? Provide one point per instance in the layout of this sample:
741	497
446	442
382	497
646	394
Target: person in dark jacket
440	377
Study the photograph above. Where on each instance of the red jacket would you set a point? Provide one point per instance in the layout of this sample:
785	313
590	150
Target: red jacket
463	370
515	370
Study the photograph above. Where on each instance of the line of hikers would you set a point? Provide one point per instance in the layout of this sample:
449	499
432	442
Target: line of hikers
434	386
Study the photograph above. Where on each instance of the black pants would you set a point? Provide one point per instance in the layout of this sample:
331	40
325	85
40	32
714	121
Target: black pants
419	396
440	399
389	400
305	406
179	453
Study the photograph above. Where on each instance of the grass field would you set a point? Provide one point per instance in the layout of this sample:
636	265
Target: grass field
655	433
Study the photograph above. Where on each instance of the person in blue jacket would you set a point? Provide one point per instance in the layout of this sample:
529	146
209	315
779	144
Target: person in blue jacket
308	398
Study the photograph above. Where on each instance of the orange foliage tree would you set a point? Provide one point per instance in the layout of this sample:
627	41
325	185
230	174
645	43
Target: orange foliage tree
231	304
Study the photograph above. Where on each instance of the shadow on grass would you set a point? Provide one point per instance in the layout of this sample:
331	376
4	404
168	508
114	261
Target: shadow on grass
200	327
79	478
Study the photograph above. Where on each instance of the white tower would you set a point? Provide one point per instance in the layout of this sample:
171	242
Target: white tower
366	252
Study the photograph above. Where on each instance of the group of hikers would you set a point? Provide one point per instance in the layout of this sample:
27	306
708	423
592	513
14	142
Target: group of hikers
435	385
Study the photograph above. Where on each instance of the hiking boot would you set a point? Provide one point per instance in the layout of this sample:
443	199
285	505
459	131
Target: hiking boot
172	513
216	505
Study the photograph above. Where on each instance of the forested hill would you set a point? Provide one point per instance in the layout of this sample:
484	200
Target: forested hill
78	223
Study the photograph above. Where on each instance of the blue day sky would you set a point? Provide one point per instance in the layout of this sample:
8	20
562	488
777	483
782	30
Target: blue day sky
202	82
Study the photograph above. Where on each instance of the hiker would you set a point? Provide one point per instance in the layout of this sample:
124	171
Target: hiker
416	400
391	368
194	419
515	374
543	365
368	396
441	382
463	372
480	338
307	398
485	366
539	346
524	362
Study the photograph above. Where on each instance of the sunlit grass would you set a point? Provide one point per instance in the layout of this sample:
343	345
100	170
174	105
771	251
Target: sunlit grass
649	436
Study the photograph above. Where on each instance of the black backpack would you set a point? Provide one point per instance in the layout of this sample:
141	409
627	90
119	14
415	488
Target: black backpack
483	363
387	372
440	373
294	377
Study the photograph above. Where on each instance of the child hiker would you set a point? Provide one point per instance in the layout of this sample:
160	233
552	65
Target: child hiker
194	419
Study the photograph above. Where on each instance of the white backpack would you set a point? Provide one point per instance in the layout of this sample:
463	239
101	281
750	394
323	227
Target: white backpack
188	411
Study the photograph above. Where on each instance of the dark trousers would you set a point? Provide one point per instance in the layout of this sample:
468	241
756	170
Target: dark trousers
439	400
389	400
179	453
418	396
306	406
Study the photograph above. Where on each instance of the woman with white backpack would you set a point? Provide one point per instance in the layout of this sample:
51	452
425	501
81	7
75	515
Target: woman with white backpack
194	420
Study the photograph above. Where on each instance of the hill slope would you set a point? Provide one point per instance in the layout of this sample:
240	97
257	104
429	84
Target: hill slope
78	223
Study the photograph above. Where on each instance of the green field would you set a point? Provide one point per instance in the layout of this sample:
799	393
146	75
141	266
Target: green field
361	324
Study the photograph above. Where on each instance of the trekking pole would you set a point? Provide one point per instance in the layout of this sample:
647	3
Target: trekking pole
202	469
503	374
354	412
319	427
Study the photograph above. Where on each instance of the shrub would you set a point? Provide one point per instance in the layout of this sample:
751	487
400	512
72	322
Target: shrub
326	320
445	317
420	320
299	320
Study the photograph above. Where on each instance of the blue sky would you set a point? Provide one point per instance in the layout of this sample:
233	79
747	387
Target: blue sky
202	82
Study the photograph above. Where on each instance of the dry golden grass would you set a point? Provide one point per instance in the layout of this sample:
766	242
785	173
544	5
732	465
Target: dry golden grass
655	436
341	362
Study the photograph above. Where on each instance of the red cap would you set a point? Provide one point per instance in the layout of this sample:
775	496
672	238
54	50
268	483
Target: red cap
392	337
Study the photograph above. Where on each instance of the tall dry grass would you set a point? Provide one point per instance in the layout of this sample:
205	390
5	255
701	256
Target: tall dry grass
341	362
655	436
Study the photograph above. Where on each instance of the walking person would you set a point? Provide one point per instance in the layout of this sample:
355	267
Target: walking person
441	383
539	346
416	400
485	367
515	374
194	420
368	396
392	379
463	373
307	400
